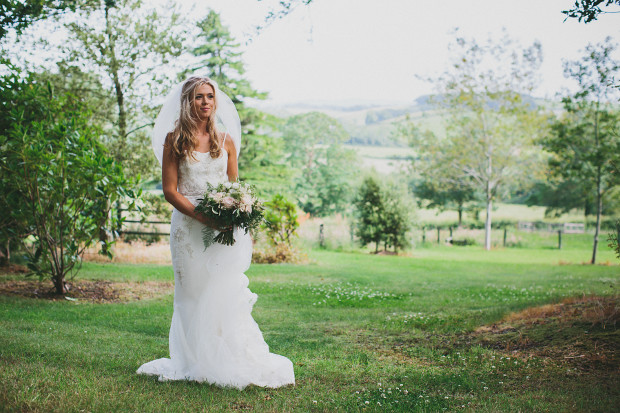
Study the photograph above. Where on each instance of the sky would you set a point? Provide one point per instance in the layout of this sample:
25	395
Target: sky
366	51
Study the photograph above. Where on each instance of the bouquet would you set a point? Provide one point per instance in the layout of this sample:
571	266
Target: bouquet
229	204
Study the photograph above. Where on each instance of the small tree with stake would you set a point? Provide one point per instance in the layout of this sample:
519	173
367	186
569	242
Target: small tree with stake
370	212
382	215
395	221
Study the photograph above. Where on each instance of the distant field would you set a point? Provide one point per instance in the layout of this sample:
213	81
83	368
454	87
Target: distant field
384	159
501	211
576	248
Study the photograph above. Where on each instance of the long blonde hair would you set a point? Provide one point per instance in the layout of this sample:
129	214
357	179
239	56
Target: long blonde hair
183	139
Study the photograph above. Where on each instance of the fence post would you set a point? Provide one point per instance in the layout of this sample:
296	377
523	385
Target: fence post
321	237
423	235
505	233
560	239
438	231
119	216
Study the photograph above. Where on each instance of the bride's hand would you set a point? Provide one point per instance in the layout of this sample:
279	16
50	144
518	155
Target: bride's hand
206	221
223	229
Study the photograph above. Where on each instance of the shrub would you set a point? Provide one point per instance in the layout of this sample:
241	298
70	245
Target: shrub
281	253
382	215
58	184
280	228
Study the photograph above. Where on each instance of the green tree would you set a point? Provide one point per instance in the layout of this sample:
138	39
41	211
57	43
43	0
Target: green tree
283	8
490	125
218	53
262	159
589	10
445	195
85	86
396	217
434	181
370	213
383	214
125	44
325	170
56	176
585	140
19	14
280	221
561	196
614	240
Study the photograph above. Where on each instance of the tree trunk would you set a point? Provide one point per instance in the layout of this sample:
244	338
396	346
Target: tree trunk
599	209
487	223
118	149
59	284
460	211
487	226
5	257
599	197
113	67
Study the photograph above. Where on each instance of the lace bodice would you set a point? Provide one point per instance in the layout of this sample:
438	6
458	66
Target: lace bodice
194	174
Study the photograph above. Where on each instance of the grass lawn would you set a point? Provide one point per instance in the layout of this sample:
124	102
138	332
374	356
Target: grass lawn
446	329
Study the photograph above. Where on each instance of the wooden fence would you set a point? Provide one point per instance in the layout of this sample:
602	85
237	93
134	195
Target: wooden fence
120	230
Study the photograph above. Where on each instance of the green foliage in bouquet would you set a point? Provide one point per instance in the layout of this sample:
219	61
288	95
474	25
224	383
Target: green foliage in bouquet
228	205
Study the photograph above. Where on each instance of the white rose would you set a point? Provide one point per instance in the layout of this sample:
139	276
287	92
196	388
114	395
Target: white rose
227	185
245	204
217	197
235	185
228	202
247	199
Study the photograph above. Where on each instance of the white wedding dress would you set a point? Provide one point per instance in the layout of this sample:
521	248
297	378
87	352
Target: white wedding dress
213	337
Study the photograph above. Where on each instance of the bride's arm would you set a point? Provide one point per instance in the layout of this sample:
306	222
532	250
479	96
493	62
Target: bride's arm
232	168
169	181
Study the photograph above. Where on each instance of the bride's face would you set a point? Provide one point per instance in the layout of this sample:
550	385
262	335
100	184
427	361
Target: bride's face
204	101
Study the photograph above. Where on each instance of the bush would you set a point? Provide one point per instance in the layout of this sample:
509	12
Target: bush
281	253
280	220
463	242
58	184
280	228
383	215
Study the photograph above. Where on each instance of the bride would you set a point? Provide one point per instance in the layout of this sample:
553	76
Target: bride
213	336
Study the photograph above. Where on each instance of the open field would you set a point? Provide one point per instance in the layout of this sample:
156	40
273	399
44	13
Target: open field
536	247
446	329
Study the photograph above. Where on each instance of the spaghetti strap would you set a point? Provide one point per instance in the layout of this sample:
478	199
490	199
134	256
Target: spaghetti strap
224	141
